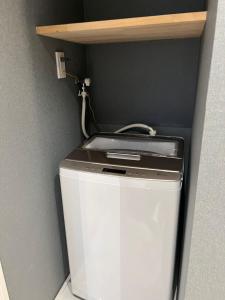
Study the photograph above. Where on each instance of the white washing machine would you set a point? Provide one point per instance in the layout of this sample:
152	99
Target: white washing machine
121	197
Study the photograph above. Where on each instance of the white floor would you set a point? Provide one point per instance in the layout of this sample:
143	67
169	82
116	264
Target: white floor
3	288
65	292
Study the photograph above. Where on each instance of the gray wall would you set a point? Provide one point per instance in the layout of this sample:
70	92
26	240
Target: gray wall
152	82
203	266
100	9
39	125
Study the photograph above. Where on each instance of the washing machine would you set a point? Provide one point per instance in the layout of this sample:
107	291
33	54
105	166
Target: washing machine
121	198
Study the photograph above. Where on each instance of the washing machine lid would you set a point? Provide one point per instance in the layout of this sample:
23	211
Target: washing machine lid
129	155
144	144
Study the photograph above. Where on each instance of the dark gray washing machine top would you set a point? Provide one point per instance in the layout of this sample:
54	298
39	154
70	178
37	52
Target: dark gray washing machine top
129	155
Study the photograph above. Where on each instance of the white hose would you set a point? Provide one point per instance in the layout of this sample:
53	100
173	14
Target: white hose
83	114
150	130
84	94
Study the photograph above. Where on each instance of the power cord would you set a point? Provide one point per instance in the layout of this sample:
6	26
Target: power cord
72	76
92	113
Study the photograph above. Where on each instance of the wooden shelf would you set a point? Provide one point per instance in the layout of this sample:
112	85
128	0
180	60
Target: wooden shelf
174	26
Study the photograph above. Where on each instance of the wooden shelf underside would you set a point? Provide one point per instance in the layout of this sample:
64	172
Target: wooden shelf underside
173	26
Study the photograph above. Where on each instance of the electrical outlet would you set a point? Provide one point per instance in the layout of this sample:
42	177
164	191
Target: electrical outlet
60	64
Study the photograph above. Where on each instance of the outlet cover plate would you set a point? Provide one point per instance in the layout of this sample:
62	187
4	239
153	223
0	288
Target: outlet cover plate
60	64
